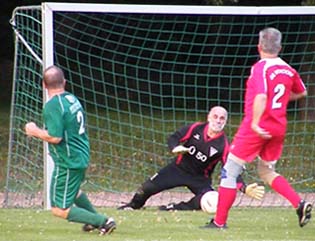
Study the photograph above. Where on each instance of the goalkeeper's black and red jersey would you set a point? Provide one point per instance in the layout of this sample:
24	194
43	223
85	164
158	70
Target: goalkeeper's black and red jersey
204	152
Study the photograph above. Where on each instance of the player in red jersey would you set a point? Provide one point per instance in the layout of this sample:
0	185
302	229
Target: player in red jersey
270	86
198	147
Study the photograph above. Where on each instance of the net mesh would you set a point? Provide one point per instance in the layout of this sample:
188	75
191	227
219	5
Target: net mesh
142	76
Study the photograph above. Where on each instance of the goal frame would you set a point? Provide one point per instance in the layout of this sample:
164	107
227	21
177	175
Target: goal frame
48	8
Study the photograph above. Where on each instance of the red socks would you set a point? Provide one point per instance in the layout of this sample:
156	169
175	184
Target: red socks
226	200
227	197
281	186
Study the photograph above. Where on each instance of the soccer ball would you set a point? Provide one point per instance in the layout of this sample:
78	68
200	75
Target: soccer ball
209	202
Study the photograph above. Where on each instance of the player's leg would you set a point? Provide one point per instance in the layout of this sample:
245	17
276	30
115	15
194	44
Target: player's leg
198	185
266	171
228	189
104	224
83	201
191	204
244	149
165	179
143	193
65	186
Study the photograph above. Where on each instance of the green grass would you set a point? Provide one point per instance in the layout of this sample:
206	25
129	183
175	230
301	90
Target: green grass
150	225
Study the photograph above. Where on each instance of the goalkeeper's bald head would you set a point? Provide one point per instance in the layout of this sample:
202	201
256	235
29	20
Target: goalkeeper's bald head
217	118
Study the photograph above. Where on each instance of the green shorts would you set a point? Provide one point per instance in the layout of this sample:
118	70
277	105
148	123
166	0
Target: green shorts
65	185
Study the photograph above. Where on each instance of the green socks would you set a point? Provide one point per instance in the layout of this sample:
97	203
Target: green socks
84	212
80	215
83	202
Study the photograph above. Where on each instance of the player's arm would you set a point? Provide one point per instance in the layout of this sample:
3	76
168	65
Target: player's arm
32	130
298	90
259	107
296	96
175	140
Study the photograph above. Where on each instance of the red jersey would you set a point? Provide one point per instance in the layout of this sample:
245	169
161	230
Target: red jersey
275	78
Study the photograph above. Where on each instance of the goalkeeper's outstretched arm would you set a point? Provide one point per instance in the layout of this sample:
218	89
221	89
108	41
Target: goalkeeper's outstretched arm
179	137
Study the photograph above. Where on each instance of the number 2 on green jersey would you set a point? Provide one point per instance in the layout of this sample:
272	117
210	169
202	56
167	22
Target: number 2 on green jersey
80	119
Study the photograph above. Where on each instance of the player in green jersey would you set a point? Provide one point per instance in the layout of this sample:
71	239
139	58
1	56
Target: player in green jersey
68	143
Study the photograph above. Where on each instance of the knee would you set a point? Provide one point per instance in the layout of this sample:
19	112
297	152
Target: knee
231	169
60	212
229	173
266	171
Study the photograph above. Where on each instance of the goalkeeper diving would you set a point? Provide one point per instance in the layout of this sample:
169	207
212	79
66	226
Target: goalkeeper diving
198	148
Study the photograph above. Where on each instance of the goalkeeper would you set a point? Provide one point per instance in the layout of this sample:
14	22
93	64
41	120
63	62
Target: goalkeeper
198	147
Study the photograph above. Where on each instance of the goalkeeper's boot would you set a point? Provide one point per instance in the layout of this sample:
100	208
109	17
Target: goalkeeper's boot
108	227
168	207
88	228
304	211
212	224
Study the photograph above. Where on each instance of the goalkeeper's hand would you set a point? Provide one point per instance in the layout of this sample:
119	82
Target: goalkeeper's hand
255	191
180	150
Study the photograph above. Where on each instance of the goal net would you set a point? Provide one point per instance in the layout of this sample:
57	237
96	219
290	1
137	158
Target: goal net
142	72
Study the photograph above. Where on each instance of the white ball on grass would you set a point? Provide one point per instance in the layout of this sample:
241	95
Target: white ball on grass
209	202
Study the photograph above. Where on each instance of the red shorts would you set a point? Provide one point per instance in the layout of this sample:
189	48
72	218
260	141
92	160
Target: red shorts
249	147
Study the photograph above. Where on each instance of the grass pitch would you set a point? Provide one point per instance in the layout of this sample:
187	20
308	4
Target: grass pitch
250	224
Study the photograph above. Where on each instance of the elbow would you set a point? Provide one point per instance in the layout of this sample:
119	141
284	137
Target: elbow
302	95
294	96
